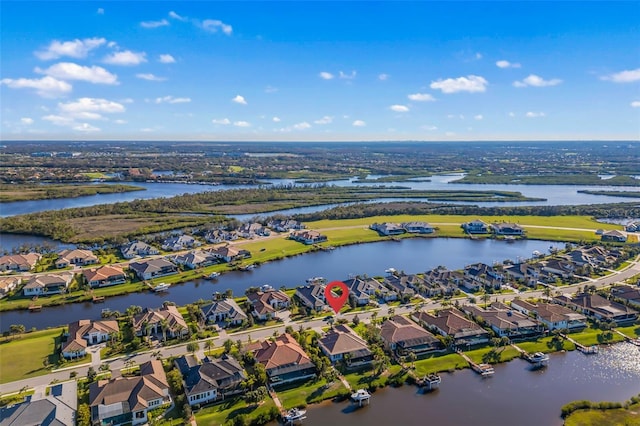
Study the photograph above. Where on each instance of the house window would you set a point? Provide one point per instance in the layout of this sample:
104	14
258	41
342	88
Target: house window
140	415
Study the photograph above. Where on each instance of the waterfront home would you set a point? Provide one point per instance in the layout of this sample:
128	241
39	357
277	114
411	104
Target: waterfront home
180	242
312	296
229	253
402	284
137	249
284	360
266	304
47	284
401	336
553	316
151	321
56	408
476	227
104	276
602	255
615	236
195	259
307	237
153	268
506	322
75	257
128	400
85	333
628	294
452	322
223	312
8	284
441	280
285	225
596	306
252	230
523	273
558	267
387	228
362	290
632	227
418	228
580	258
210	380
220	235
486	275
341	343
510	229
19	262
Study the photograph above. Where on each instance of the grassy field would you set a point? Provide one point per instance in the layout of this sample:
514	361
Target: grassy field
28	355
632	331
438	363
227	411
540	345
596	417
309	392
589	337
507	353
366	378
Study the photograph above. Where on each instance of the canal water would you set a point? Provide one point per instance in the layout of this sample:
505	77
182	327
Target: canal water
409	255
515	395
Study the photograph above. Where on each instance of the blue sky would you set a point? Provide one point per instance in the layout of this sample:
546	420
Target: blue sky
307	71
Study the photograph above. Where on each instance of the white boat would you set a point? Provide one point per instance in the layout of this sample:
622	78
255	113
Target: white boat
266	287
539	357
161	287
316	280
294	414
248	267
360	395
212	276
536	253
390	271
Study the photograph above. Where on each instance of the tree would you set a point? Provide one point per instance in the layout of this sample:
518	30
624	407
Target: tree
356	320
16	328
193	347
91	374
374	315
412	358
164	325
208	345
83	416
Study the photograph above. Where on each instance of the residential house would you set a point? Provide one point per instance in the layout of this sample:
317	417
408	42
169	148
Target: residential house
284	360
137	249
441	280
8	284
266	304
76	257
47	284
104	276
307	237
85	333
151	321
153	268
476	227
506	322
362	290
486	275
57	408
230	253
388	228
223	312
19	262
402	284
418	228
615	236
558	267
401	336
452	322
220	235
341	343
312	296
510	229
128	400
252	230
553	316
632	227
211	380
596	306
628	294
580	258
196	259
524	273
180	242
285	225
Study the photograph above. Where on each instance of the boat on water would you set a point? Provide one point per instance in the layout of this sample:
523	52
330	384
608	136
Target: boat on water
539	357
248	267
161	287
266	287
390	271
536	253
361	395
316	280
212	276
294	414
430	381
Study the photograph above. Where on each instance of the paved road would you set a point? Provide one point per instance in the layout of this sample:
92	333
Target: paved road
262	333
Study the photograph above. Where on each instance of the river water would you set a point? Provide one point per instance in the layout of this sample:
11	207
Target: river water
515	395
411	255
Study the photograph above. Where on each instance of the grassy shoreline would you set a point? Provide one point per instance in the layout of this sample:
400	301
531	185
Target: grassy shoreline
29	192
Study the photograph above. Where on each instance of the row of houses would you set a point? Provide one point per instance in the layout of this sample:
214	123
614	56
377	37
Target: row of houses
388	229
499	228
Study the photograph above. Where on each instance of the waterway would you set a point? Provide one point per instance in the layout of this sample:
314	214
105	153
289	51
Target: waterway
515	395
410	255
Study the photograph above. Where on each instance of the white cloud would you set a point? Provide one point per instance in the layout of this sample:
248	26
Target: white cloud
478	55
326	75
126	101
213	25
635	104
344	76
239	100
399	108
383	77
174	15
172	100
150	77
429	127
358	123
421	97
71	71
86	127
276	119
166	59
75	48
100	11
270	89
537	81
119	121
242	124
302	126
26	121
512	114
478	117
96	105
507	64
154	24
59	120
531	114
627	76
224	121
126	58
471	84
47	87
324	120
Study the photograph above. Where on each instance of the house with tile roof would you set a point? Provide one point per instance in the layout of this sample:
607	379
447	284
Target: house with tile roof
312	296
401	336
47	284
341	343
628	294
307	237
180	242
284	360
8	284
506	322
362	290
211	380
452	322
83	333
230	253
104	276
154	268
19	262
57	408
137	249
264	305
223	312
76	257
596	306
553	316
195	259
150	321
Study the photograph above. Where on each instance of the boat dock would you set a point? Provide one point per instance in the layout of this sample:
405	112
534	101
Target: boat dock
361	396
587	350
635	342
485	370
538	359
430	381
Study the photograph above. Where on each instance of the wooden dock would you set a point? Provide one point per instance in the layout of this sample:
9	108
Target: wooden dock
485	370
538	359
627	338
35	308
587	350
97	299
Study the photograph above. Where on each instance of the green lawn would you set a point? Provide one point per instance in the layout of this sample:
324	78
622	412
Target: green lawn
309	392
507	353
596	417
589	337
366	379
25	356
438	363
632	331
225	412
540	345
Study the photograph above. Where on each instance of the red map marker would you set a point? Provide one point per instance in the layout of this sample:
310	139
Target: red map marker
336	302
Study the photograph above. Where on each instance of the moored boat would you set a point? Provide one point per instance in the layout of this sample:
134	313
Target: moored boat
294	414
161	287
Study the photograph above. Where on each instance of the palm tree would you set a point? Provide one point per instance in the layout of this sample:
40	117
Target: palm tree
164	325
208	345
